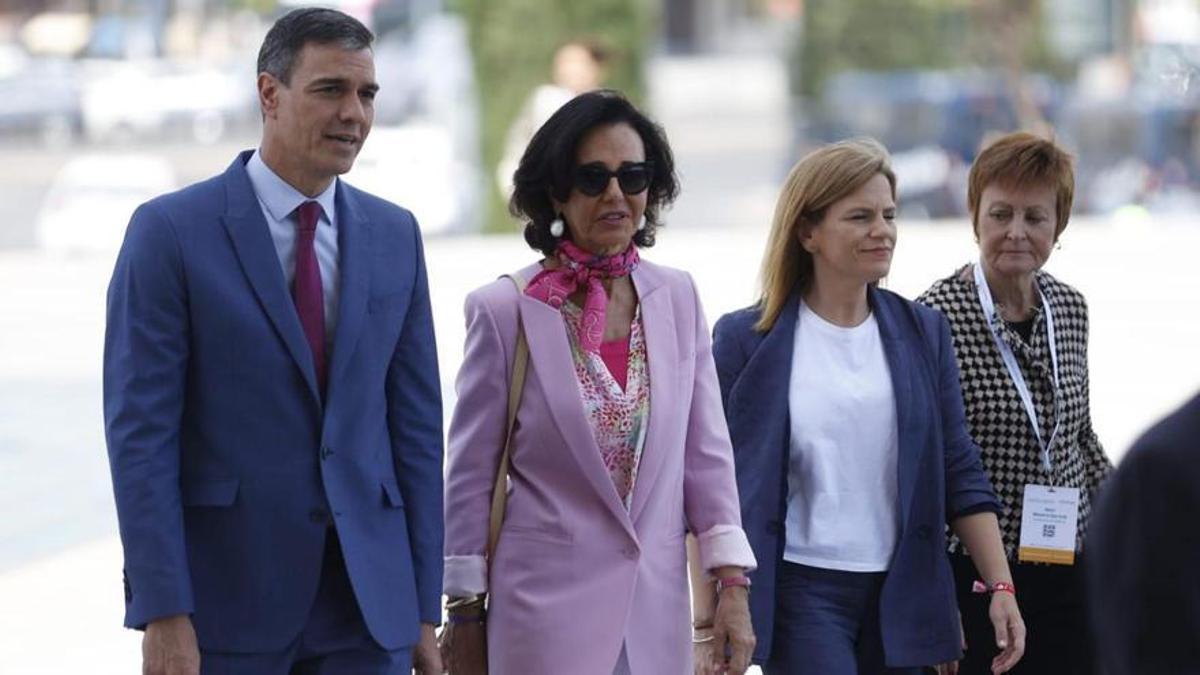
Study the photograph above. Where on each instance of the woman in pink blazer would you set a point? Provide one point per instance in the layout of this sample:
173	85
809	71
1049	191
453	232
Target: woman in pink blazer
620	446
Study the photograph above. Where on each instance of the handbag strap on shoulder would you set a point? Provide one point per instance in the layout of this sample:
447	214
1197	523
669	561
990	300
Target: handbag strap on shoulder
515	387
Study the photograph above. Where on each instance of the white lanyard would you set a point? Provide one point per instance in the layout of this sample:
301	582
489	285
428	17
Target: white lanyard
1010	361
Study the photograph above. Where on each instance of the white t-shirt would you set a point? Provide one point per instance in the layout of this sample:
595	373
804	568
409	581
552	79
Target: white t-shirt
842	510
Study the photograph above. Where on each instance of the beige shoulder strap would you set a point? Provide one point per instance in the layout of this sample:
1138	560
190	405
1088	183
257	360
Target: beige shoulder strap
516	385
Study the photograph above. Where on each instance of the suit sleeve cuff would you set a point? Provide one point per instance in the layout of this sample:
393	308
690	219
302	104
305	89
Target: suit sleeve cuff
465	575
144	607
725	546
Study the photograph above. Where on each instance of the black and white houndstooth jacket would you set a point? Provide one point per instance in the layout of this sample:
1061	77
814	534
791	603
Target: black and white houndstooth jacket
995	417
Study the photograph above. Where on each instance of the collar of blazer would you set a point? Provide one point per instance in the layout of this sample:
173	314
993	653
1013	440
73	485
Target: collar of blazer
259	261
550	356
758	403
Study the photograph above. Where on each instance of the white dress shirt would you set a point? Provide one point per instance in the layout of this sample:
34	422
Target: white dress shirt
279	201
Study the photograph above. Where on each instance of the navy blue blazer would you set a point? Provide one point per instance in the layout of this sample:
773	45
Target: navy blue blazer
940	473
227	465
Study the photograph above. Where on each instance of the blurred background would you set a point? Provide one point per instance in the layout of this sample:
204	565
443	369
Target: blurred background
107	103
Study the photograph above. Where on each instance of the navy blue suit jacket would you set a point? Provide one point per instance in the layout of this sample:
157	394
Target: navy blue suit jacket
228	465
1143	549
940	473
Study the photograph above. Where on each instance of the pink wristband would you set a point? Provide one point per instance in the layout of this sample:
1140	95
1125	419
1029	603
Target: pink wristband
730	582
998	587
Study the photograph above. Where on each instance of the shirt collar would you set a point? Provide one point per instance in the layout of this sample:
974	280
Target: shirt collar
280	199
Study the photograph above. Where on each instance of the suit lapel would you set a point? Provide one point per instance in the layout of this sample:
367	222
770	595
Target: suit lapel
898	351
354	266
769	374
662	357
550	359
251	237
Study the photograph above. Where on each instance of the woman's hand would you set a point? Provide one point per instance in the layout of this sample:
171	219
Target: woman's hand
1010	631
464	648
704	655
732	629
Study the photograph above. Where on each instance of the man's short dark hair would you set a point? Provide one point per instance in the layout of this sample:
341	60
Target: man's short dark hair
299	27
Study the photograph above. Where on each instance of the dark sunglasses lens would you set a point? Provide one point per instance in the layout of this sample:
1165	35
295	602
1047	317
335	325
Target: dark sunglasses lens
633	179
591	181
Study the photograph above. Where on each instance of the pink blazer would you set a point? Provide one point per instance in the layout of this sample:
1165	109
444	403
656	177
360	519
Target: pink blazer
576	575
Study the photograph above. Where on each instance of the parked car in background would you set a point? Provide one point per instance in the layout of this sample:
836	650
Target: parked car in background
156	98
39	97
932	121
92	197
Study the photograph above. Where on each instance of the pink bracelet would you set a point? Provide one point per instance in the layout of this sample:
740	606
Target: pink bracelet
998	587
730	582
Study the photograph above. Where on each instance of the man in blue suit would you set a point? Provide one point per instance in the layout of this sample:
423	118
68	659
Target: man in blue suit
271	396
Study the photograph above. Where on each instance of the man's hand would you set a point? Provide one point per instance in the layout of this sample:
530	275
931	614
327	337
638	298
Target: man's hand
169	647
427	659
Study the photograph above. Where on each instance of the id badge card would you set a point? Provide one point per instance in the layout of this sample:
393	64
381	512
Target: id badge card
1049	521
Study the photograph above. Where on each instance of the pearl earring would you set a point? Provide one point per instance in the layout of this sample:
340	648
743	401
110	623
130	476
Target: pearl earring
556	227
641	224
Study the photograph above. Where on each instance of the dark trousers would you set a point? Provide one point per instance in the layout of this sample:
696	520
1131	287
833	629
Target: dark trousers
827	623
335	640
1051	598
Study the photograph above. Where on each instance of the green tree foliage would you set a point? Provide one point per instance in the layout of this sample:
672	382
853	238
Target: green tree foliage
513	42
842	35
875	35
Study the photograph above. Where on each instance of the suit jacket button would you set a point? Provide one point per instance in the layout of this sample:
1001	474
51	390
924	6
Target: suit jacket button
318	516
924	531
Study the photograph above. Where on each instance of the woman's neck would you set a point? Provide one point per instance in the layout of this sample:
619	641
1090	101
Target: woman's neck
840	302
1015	296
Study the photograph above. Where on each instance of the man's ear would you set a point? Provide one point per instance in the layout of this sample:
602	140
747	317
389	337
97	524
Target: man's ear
268	94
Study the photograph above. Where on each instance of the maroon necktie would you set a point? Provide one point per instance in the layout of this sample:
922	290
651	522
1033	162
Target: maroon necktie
306	288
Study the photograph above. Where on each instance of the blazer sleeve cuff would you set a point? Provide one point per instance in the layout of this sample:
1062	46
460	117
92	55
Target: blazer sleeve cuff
465	575
723	546
979	502
145	606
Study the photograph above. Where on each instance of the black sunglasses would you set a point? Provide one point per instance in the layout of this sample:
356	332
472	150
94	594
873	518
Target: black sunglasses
632	177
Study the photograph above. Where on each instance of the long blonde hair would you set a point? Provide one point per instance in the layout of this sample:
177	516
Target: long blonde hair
820	179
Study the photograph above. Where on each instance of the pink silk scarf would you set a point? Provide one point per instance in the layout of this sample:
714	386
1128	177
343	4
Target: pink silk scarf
580	268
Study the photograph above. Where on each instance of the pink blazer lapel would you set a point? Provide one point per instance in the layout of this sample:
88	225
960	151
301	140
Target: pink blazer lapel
662	356
550	358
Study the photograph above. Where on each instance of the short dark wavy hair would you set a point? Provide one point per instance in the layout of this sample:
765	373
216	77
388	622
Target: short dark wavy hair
299	27
548	166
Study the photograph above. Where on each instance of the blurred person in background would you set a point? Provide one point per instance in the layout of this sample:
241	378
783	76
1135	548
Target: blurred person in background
1020	338
851	449
579	66
1144	554
271	396
619	445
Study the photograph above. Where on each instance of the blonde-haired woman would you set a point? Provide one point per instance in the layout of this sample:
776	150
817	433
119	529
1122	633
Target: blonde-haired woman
851	449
